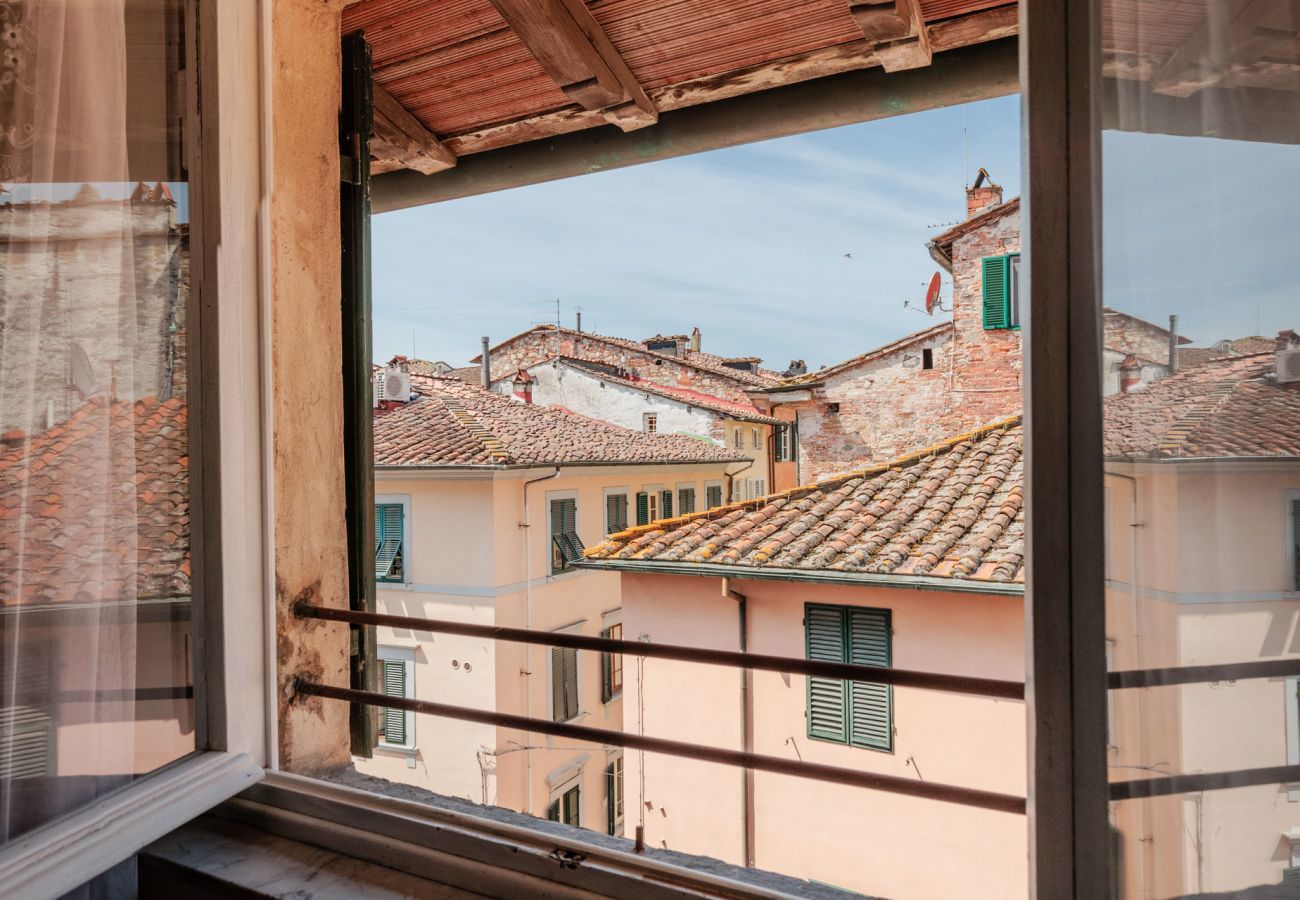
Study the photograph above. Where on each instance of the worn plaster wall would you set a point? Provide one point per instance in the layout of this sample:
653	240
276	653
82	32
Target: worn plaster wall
307	402
1125	334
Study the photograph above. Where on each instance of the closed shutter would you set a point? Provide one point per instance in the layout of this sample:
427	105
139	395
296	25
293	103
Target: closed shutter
572	806
827	712
642	508
606	672
388	541
994	273
394	724
565	544
1291	875
553	811
616	513
26	743
871	705
713	496
564	683
666	504
611	808
685	501
794	441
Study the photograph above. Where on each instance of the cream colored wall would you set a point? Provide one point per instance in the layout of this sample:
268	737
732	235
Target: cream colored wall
760	458
1212	587
874	842
466	562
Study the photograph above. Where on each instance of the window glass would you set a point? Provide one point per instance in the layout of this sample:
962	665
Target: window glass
97	598
1202	440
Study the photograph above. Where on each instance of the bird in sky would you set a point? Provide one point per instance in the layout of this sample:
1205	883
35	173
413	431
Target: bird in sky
848	255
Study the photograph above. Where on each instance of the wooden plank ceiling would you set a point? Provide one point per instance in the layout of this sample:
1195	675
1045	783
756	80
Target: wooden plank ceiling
455	77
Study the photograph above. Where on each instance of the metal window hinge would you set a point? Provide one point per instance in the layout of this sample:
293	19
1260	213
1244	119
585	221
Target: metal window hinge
350	165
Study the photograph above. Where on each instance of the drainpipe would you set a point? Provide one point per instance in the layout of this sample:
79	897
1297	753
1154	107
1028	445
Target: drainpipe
487	365
528	623
746	716
1173	345
731	475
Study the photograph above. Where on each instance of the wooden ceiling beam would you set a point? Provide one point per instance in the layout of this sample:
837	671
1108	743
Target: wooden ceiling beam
402	142
897	31
573	49
1234	38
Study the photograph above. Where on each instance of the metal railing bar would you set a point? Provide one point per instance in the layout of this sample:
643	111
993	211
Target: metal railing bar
835	774
982	687
1138	678
1204	781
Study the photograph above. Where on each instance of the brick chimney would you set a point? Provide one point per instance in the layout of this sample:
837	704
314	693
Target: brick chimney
523	387
695	339
983	195
1130	373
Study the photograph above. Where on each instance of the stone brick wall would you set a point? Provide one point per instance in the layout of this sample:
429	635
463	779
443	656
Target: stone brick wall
105	278
1125	334
541	344
891	405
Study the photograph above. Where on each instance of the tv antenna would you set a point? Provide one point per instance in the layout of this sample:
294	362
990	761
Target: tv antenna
932	299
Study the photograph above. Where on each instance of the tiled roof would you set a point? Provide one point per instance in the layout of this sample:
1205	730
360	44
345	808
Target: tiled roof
698	359
951	511
96	509
871	355
1231	407
456	424
974	223
1199	356
730	408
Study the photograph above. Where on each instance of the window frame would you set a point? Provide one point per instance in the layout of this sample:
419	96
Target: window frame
565	538
845	613
629	511
1290	512
556	798
1009	264
389	654
403	500
615	793
611	664
682	488
574	628
650	422
710	485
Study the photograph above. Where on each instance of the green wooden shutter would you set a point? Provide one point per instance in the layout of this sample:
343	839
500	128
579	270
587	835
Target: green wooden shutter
871	706
611	813
666	505
642	508
564	683
685	501
994	273
394	725
388	541
616	513
827	708
1291	875
713	496
572	806
606	671
553	811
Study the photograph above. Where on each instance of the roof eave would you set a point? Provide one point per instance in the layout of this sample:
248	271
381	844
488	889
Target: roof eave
807	576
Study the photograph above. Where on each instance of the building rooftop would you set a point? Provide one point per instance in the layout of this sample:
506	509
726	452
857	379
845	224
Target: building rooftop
916	337
452	423
1199	356
1231	407
96	508
952	512
698	359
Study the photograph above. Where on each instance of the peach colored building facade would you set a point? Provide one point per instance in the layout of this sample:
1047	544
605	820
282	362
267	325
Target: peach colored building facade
853	838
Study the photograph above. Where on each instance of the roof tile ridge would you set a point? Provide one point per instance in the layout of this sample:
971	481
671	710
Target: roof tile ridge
1195	415
492	445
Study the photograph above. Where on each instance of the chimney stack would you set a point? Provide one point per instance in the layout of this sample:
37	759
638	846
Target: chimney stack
578	313
695	339
980	196
1173	345
487	365
1130	373
523	387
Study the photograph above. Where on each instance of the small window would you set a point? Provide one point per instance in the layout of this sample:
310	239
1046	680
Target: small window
565	807
389	543
611	666
397	679
927	358
615	513
614	794
685	501
647	507
1000	289
784	440
833	408
738	438
712	496
755	439
857	713
759	488
566	546
564	684
650	422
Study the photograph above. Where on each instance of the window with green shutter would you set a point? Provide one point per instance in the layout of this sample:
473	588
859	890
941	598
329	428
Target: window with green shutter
712	496
643	508
611	666
389	545
566	807
614	795
849	712
1000	276
685	501
615	513
666	504
566	546
394	724
564	684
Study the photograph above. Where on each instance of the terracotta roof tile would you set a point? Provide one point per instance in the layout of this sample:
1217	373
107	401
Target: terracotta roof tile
1230	407
952	511
457	424
97	507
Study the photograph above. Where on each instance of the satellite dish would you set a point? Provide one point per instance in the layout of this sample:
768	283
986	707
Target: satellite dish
932	295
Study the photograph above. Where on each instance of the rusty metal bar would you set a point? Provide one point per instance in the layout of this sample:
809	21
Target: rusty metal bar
836	775
1139	678
982	687
1204	781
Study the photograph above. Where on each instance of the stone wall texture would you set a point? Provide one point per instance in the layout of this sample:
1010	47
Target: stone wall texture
1124	334
890	406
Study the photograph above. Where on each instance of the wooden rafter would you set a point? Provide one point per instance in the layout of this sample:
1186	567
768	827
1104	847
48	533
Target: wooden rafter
1234	38
402	142
896	29
571	47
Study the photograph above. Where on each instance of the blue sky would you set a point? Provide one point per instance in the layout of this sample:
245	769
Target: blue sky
747	244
